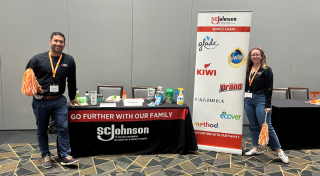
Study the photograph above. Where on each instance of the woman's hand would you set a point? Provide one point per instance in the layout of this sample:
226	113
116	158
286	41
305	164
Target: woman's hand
267	110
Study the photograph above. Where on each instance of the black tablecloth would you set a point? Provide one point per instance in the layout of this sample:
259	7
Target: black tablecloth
149	135
296	123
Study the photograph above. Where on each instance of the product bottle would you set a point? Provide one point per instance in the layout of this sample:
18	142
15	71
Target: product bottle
180	98
93	98
77	94
160	93
87	95
124	95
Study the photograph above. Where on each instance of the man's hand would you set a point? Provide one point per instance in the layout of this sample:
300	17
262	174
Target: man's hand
75	101
267	110
39	89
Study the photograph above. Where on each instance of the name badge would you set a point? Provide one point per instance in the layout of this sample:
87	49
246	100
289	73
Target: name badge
247	95
54	88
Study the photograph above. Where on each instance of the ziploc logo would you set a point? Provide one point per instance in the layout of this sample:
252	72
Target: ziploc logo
224	115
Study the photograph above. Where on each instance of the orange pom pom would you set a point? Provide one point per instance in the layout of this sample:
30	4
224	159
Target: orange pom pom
264	135
29	83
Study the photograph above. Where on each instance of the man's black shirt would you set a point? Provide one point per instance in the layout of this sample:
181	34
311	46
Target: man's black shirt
41	66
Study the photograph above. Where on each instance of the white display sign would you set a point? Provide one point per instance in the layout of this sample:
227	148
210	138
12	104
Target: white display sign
222	46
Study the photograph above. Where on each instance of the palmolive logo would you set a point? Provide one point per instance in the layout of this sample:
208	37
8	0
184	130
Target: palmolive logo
230	87
207	72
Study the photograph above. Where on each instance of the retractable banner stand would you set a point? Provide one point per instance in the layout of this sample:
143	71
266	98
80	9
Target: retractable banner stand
222	46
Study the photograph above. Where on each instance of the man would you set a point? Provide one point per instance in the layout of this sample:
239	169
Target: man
52	69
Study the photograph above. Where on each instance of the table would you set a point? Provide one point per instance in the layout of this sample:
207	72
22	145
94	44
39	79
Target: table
95	130
296	123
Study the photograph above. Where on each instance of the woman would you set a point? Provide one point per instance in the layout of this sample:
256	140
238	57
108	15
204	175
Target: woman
259	85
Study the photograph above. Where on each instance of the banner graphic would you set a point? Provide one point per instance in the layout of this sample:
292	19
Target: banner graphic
222	45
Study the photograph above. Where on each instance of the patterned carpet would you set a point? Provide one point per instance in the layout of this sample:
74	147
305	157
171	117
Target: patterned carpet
25	159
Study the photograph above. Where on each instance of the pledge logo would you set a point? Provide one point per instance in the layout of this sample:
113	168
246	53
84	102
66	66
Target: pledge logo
224	115
236	58
208	43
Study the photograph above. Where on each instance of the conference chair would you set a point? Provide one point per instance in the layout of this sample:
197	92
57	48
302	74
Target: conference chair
280	93
298	93
141	91
109	90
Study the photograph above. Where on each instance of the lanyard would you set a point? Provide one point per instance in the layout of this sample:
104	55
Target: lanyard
251	79
54	71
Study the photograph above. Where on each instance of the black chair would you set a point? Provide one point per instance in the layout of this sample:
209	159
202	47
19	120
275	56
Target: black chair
109	90
298	93
280	93
141	91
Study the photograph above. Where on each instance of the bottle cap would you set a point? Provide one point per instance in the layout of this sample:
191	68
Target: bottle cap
124	92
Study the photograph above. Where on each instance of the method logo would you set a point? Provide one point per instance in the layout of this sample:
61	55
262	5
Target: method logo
224	115
222	20
236	58
208	43
209	100
230	87
112	131
206	72
205	124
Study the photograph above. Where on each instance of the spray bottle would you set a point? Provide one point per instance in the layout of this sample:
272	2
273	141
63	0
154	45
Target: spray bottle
180	98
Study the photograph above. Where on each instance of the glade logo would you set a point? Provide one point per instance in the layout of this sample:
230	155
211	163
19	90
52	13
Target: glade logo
111	131
230	87
222	20
208	43
209	100
224	115
206	72
236	58
205	124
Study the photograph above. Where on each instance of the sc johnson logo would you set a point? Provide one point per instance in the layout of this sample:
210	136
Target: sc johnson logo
209	100
205	124
222	20
230	87
206	72
208	43
224	115
111	132
236	58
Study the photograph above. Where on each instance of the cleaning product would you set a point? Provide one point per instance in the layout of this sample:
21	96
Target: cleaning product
169	95
180	98
87	95
77	94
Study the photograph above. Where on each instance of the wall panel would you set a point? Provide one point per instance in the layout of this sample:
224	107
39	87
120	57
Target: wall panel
161	40
26	27
101	42
306	45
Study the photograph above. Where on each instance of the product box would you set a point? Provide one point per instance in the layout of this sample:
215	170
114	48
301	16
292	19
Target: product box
169	95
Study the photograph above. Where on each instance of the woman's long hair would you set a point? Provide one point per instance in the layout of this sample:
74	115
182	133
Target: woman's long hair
263	60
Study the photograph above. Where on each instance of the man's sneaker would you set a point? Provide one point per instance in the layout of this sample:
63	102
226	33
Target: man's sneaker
283	157
47	162
252	152
69	160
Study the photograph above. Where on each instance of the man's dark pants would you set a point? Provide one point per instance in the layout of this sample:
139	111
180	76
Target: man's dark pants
42	109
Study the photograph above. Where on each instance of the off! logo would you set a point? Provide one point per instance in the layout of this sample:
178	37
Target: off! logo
207	72
109	133
230	87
